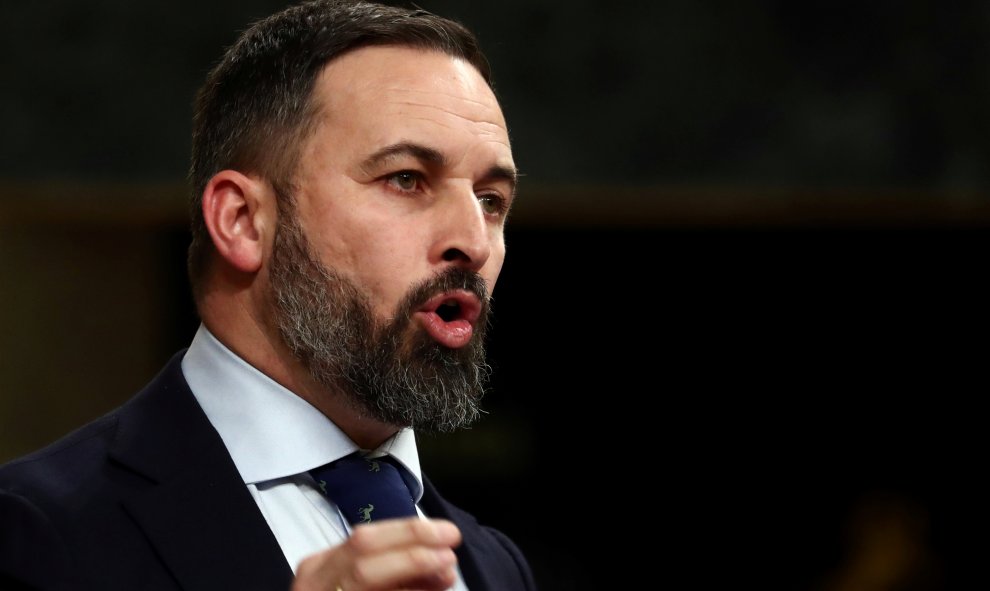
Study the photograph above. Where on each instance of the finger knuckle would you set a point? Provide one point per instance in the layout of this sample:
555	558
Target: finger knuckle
361	540
421	529
422	558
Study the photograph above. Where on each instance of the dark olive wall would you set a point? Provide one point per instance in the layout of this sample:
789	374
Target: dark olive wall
740	335
764	92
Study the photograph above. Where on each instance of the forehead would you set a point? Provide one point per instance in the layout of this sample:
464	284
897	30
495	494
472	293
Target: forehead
374	89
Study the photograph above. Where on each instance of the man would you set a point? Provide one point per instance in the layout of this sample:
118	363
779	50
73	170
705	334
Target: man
351	175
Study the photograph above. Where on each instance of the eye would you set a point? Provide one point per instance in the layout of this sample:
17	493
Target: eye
492	204
405	181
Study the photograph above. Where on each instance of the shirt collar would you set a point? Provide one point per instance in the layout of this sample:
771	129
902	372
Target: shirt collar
269	431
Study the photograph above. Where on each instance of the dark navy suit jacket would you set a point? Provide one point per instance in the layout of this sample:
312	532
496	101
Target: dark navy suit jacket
148	498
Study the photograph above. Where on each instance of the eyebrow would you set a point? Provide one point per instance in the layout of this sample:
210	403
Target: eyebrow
436	158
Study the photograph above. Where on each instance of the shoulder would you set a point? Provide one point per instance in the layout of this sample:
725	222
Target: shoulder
40	495
61	475
53	470
63	508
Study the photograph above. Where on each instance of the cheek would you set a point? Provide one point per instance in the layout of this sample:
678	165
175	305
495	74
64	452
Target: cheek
384	265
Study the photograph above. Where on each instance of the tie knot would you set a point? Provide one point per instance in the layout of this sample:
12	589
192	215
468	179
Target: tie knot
366	490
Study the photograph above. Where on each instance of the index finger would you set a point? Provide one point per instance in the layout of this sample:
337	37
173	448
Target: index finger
396	533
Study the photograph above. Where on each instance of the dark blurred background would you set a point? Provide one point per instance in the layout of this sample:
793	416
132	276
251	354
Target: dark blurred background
741	333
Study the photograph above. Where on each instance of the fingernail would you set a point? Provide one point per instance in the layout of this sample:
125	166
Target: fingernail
447	529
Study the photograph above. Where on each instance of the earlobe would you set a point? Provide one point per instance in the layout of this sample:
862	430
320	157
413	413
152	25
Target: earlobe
232	209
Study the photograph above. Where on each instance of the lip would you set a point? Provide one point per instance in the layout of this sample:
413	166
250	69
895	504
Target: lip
468	304
456	331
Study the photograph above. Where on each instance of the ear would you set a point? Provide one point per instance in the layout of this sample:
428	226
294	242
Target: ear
235	208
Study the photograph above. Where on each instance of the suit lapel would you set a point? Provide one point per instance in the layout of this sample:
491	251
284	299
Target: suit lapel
469	554
210	536
196	512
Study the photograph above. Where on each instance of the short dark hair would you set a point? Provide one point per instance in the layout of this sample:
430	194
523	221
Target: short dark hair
255	108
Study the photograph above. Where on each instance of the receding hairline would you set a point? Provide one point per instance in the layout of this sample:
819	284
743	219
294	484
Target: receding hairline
398	45
317	108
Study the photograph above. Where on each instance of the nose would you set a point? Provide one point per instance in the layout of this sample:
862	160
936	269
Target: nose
463	232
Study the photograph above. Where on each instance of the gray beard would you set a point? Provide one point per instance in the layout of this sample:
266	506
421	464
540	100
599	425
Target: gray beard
393	371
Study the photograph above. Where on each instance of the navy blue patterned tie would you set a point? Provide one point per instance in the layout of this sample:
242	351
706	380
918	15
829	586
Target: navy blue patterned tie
366	491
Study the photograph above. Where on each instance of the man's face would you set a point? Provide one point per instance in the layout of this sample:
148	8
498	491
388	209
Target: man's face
397	238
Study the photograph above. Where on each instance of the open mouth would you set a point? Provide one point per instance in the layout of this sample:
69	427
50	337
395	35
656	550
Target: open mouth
450	317
449	310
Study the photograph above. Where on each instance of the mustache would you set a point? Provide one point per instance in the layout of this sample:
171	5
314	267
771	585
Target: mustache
447	280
